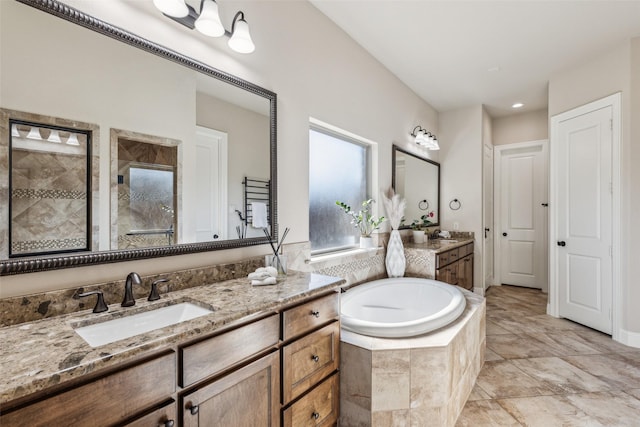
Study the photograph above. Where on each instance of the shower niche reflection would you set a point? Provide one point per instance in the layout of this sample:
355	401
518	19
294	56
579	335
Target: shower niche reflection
147	192
50	188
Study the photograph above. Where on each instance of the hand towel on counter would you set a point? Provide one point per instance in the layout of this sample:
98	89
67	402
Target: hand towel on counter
268	281
259	214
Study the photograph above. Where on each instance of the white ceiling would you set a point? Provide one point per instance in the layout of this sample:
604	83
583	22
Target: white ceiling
457	54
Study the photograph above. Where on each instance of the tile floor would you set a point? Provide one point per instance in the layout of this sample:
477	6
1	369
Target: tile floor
543	371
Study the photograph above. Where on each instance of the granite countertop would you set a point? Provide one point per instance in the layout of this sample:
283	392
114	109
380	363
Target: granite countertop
439	245
40	354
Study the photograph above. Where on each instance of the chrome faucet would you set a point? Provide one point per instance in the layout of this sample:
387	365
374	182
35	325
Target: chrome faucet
132	279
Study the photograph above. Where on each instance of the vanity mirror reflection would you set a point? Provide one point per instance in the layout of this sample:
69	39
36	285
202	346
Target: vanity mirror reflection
158	115
417	179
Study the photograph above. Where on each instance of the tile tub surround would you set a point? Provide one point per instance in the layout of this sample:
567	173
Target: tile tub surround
415	381
543	371
45	353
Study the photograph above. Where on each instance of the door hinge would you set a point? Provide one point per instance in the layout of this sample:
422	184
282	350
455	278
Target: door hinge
611	124
611	187
611	251
610	315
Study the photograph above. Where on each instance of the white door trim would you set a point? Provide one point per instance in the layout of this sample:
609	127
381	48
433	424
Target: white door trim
613	101
497	191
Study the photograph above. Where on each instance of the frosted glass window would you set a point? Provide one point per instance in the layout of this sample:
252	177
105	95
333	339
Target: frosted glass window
338	170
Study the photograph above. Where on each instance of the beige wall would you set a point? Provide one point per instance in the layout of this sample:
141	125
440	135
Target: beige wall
530	126
461	175
615	71
316	70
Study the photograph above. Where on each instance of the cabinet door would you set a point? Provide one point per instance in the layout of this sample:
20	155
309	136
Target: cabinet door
248	397
465	272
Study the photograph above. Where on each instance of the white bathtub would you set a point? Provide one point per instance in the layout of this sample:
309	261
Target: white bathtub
400	307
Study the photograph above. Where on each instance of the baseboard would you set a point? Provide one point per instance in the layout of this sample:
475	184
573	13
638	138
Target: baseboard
632	339
479	291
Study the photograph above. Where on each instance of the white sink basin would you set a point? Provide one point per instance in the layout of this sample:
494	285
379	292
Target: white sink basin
448	241
129	326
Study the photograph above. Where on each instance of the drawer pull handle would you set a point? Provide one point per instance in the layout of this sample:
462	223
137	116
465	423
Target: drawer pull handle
194	409
315	313
169	423
315	358
315	415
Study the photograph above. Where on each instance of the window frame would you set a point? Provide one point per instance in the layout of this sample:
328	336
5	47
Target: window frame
371	171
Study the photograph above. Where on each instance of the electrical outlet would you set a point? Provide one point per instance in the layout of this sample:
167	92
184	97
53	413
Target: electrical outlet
456	226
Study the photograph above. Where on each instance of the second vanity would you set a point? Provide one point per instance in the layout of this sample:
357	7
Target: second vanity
450	261
265	356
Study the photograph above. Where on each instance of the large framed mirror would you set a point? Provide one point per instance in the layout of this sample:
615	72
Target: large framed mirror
417	179
179	140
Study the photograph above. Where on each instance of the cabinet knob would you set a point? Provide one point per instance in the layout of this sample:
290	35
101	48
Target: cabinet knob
315	415
194	409
504	234
315	358
315	313
169	423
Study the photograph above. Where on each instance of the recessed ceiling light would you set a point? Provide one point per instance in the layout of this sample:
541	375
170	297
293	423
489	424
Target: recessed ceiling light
517	105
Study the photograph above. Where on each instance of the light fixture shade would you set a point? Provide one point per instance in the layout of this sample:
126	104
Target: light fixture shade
54	137
34	133
73	139
208	23
175	8
240	40
14	131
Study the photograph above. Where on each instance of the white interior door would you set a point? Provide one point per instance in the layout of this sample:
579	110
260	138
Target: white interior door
523	196
211	185
584	217
487	206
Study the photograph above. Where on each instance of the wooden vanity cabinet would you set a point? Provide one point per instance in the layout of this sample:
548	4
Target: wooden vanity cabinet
108	400
455	266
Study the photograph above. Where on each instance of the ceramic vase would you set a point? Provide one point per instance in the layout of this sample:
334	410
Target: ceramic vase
366	242
418	236
395	261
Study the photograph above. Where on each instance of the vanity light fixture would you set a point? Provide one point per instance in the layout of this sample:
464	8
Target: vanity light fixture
517	105
425	138
54	137
14	131
208	22
73	139
34	133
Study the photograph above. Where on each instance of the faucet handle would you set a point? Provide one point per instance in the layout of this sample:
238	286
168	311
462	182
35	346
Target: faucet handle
153	295
100	304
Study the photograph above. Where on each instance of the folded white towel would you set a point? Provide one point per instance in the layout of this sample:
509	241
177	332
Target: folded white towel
263	273
268	281
259	214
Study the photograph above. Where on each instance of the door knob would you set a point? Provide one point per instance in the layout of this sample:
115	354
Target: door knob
504	234
562	243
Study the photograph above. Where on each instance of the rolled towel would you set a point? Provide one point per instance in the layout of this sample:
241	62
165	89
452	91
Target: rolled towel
268	281
263	272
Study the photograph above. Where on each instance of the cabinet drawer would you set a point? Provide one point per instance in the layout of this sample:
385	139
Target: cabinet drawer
135	389
308	360
215	354
306	317
163	417
318	408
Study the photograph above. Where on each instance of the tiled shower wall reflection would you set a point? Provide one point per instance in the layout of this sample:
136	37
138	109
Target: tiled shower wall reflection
146	194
